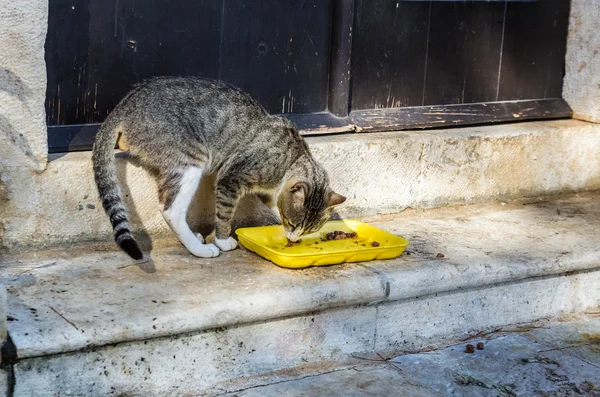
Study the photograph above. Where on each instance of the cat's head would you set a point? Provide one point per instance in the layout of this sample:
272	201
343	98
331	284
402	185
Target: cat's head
305	207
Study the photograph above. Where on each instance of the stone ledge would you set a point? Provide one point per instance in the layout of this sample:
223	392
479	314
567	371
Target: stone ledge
234	358
381	173
551	357
64	302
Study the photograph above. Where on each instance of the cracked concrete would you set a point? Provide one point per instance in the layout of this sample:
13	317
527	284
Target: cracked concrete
358	381
94	323
542	359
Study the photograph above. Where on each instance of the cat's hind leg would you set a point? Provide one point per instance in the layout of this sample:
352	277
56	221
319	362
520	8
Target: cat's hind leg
176	192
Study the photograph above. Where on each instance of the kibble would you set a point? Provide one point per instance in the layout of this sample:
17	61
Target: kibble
340	235
470	349
439	255
480	346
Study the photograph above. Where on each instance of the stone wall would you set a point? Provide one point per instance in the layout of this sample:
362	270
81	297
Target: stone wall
582	79
23	26
23	141
47	204
381	173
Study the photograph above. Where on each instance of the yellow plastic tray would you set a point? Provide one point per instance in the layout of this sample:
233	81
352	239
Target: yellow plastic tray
270	243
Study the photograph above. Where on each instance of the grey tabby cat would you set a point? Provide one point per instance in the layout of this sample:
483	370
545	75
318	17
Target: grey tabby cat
183	128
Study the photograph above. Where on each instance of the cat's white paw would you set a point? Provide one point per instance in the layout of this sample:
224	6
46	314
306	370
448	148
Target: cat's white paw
227	244
205	251
200	237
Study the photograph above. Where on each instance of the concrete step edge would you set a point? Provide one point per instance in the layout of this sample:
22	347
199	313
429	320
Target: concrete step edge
395	286
109	304
380	173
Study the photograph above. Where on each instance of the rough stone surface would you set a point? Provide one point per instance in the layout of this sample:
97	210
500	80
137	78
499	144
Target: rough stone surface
512	243
4	382
390	172
23	141
180	324
359	381
426	169
3	312
579	338
217	360
23	26
241	360
3	316
511	365
406	325
515	363
189	364
582	78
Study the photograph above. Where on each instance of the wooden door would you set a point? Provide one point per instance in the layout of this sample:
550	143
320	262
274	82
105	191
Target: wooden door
329	65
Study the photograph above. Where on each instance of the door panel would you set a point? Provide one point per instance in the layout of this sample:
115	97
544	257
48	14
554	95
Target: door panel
278	51
375	64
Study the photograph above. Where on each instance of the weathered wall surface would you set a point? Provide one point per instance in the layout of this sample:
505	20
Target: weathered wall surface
23	26
387	172
380	173
23	141
582	79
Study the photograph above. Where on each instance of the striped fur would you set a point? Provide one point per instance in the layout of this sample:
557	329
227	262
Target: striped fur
105	174
174	126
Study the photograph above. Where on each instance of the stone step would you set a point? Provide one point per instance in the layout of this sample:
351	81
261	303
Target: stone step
380	173
91	323
559	358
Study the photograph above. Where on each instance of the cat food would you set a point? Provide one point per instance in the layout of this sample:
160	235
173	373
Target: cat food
439	255
470	349
375	244
270	242
339	235
480	346
291	243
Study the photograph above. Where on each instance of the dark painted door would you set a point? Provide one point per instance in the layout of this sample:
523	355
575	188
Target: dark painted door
330	65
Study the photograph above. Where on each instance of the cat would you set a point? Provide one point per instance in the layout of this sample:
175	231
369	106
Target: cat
181	128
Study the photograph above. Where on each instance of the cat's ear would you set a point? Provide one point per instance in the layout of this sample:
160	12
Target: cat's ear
298	192
298	188
336	199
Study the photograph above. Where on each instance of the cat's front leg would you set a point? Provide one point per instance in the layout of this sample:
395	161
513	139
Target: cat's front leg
227	196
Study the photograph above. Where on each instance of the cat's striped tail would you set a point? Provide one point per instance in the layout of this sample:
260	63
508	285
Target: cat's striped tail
105	174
